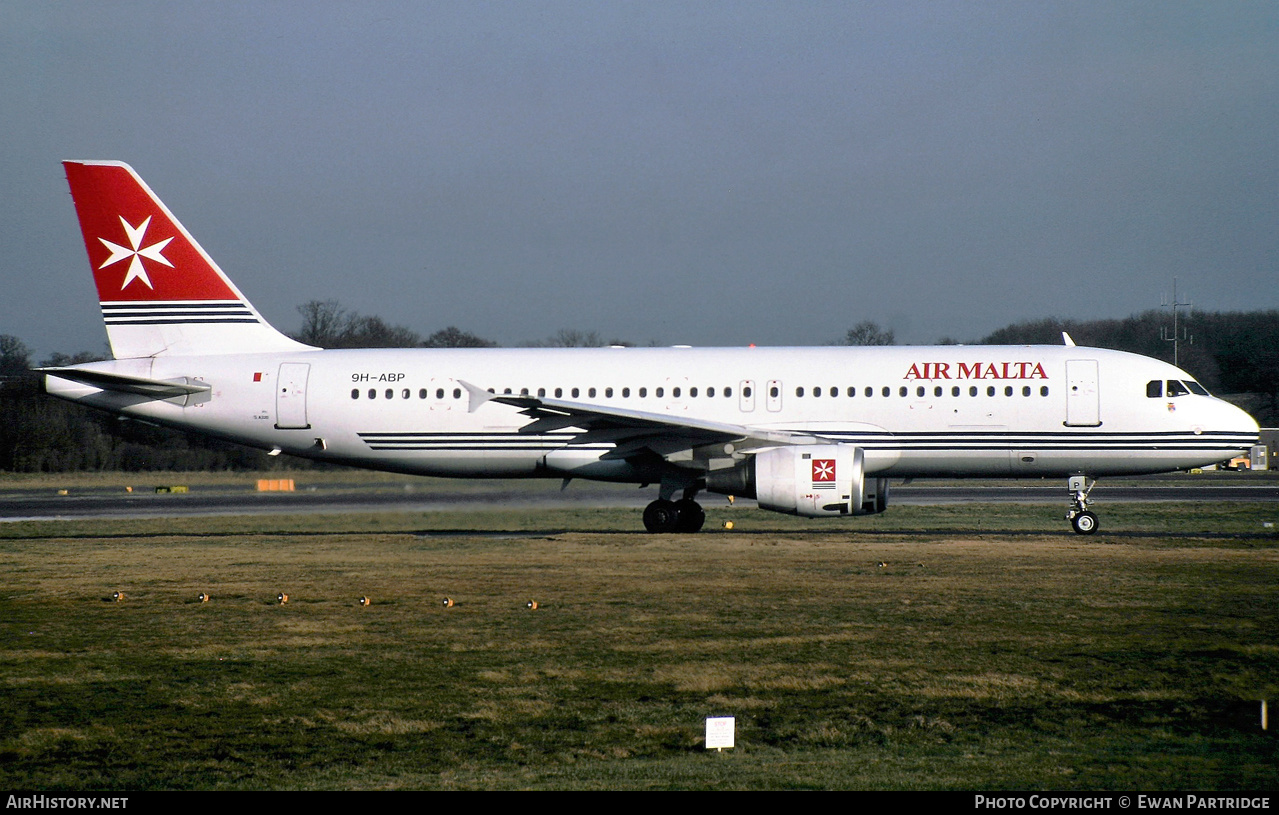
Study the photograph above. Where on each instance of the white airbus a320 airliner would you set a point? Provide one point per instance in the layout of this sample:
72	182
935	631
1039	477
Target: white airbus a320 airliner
816	432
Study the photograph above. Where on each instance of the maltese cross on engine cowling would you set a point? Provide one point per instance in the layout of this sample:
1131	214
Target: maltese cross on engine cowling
134	253
823	473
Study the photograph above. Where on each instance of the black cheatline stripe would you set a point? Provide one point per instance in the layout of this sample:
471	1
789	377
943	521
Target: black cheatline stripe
480	448
184	313
1193	441
207	321
457	435
1066	433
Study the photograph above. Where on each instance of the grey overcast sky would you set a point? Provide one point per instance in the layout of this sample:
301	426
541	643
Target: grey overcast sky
703	173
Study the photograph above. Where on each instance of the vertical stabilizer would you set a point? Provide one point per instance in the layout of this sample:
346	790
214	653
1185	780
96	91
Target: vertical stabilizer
160	292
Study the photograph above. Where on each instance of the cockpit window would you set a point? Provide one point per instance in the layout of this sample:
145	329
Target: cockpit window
1155	388
1196	388
1176	388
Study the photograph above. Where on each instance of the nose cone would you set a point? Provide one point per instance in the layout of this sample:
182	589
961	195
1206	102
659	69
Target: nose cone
1237	423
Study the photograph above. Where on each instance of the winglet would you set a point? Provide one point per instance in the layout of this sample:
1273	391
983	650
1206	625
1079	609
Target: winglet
478	395
1066	339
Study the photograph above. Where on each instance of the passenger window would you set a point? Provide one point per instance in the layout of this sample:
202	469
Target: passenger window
390	394
799	391
919	391
559	392
1008	390
355	393
626	393
972	390
887	391
405	394
372	393
591	393
643	392
660	392
1154	389
728	392
575	392
852	391
1043	391
870	391
990	391
902	391
1025	391
692	392
937	391
954	391
608	393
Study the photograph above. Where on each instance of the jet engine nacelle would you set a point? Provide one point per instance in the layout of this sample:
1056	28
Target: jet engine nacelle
815	481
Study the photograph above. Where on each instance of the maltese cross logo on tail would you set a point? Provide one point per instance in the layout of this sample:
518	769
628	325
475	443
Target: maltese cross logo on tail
134	253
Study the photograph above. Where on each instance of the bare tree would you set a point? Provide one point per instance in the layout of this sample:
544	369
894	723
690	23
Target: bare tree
869	333
15	356
323	323
454	337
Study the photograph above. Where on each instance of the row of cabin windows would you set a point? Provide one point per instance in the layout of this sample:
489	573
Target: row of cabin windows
921	391
407	393
774	392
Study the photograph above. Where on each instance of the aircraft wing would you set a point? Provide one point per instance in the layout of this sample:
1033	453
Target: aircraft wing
633	432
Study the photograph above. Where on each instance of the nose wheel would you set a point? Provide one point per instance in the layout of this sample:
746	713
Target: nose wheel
1081	519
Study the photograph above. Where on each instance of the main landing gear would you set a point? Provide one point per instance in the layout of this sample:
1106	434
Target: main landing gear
685	515
666	515
1083	521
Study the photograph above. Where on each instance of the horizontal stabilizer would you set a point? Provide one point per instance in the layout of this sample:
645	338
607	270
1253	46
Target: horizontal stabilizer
140	386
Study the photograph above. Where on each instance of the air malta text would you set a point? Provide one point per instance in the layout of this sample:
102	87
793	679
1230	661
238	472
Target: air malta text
976	370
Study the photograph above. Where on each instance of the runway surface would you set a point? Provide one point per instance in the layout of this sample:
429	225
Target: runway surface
426	495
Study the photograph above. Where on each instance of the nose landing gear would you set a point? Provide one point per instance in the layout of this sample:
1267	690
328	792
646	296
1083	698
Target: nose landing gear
1083	521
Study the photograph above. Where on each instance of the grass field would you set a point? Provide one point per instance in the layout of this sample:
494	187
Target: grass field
929	648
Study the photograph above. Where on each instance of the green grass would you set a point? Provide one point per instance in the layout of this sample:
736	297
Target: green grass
991	650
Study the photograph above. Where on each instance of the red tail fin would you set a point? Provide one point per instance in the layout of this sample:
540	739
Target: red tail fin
160	292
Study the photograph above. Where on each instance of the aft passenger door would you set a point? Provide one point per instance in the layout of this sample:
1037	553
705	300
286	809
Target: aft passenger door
290	396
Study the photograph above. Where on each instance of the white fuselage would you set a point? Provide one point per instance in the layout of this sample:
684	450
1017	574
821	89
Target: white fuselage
1021	411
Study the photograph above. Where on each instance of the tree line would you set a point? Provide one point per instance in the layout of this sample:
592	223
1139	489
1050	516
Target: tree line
1233	353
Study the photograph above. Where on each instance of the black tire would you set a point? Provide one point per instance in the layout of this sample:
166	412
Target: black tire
691	516
661	516
1085	523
